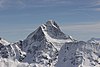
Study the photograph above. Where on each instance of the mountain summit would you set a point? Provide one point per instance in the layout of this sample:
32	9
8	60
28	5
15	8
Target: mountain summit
52	23
53	30
49	29
50	32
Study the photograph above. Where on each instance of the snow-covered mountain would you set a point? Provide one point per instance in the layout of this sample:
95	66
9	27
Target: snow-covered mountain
4	51
42	45
79	54
10	50
48	46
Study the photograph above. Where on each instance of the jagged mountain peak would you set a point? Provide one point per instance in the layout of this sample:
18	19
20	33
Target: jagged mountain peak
49	31
50	28
52	23
53	30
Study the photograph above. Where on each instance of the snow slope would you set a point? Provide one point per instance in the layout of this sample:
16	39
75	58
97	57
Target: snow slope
10	63
79	54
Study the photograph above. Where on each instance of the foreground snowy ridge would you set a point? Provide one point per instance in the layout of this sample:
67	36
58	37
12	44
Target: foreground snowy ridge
48	46
79	54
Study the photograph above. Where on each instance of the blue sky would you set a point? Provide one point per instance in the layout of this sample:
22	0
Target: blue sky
78	18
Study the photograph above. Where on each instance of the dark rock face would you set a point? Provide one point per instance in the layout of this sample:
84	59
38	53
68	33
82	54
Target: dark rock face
0	38
54	31
6	51
35	36
39	35
3	51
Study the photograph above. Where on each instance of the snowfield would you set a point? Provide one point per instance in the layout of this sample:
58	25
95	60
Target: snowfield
10	63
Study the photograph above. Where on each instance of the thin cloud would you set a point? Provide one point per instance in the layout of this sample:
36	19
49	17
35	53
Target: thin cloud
33	3
82	28
47	3
95	5
96	9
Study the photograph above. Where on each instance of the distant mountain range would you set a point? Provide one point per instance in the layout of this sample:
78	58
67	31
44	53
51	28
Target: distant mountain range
48	46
